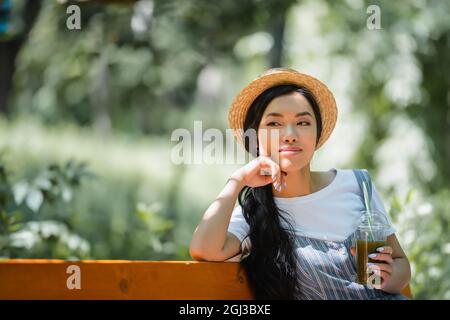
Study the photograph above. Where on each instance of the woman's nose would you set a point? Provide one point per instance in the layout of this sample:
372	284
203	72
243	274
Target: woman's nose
289	139
290	135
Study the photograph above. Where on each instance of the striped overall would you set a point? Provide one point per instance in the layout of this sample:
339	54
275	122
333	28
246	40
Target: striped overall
328	270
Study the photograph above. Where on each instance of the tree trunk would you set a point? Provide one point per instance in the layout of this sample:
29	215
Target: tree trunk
277	27
9	50
434	114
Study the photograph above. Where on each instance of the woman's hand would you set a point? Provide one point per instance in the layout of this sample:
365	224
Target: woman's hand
252	173
383	270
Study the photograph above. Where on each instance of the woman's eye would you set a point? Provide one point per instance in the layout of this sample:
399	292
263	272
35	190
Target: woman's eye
276	124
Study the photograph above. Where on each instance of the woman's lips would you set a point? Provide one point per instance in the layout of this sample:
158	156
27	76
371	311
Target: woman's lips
290	150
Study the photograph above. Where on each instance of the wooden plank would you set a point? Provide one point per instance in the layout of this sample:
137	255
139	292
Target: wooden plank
118	279
123	279
407	292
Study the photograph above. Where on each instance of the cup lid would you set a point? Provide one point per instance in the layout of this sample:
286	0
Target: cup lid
374	219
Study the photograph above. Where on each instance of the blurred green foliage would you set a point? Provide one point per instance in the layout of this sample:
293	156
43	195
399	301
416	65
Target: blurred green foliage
51	190
38	219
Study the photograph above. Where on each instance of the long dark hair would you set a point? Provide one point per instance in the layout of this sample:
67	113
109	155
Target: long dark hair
270	263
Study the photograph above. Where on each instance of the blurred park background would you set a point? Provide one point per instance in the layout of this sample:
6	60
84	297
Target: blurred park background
86	117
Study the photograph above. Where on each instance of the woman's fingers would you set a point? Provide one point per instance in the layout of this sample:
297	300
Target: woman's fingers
379	279
381	257
386	277
272	171
386	254
380	267
275	171
387	250
283	178
278	182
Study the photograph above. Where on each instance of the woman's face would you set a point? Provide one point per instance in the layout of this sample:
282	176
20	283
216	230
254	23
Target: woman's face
288	121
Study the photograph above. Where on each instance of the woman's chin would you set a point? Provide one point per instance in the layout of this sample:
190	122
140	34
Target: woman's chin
287	165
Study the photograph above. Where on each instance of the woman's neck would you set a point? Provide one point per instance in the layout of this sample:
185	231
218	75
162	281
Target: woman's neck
298	183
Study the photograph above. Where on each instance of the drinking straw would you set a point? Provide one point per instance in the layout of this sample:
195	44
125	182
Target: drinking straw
368	209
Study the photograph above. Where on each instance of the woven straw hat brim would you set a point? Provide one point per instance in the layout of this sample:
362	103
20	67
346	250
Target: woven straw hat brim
279	76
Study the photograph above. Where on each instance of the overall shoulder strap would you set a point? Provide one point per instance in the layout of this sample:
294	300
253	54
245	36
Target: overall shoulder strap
363	176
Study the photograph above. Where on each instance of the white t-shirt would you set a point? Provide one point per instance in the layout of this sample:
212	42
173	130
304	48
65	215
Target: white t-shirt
331	213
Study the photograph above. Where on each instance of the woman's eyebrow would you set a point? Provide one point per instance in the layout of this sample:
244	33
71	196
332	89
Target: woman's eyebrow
276	114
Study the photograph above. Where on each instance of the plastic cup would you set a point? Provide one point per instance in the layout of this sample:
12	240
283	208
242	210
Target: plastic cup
370	235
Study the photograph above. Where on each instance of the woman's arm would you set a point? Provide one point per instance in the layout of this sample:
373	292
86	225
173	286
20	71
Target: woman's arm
211	240
398	275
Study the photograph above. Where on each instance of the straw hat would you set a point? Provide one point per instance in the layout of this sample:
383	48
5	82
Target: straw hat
278	76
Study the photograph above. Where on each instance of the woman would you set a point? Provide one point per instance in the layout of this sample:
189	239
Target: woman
292	230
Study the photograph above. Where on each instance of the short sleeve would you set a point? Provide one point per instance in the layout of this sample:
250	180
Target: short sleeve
238	226
378	205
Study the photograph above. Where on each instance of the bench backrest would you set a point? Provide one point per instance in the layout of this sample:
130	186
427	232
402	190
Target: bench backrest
123	279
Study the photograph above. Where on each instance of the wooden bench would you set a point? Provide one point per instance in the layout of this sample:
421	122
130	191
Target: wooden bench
123	279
